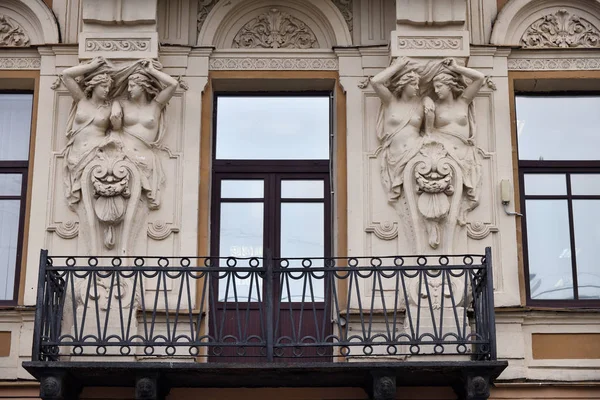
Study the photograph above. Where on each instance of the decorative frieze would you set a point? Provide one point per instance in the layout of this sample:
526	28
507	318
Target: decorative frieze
19	63
538	64
275	30
328	64
11	33
117	44
429	43
563	30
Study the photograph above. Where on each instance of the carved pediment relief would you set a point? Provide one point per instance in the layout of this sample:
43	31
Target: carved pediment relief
11	33
561	29
275	29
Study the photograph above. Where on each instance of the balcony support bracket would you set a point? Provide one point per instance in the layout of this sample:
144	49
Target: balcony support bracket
473	387
59	386
148	387
383	386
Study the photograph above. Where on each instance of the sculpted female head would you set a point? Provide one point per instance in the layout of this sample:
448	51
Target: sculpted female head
446	84
407	83
98	86
139	84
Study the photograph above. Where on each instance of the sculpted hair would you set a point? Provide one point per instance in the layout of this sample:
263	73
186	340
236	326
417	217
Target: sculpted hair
455	85
397	85
146	83
95	81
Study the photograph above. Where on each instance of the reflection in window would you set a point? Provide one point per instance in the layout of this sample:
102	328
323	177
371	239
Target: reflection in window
561	200
273	128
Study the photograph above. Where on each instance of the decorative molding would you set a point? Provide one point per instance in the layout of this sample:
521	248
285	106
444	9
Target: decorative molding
275	30
204	8
117	44
20	63
561	29
364	82
66	230
160	230
11	33
535	64
385	230
480	230
345	7
328	64
429	43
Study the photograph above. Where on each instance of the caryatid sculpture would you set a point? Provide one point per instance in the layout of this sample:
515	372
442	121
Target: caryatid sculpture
430	167
115	130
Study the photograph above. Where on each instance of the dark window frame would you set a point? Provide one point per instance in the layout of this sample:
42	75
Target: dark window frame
18	167
564	167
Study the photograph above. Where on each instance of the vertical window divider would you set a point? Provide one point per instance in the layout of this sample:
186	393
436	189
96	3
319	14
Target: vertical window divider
572	238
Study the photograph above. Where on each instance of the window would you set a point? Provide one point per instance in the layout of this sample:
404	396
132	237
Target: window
15	126
559	169
271	197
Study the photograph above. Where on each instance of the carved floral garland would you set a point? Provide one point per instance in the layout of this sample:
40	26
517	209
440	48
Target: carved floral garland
561	29
273	30
11	33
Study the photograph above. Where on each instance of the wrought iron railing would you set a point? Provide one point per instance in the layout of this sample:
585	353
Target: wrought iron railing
268	309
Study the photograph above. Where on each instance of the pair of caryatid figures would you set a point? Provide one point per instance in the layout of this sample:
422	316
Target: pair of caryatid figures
114	133
430	165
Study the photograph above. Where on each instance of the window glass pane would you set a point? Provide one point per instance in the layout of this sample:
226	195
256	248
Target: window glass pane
582	184
10	184
586	214
302	235
238	189
241	235
15	126
545	184
291	189
9	235
273	128
549	249
558	127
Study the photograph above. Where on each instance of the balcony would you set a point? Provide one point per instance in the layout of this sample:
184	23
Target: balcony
160	322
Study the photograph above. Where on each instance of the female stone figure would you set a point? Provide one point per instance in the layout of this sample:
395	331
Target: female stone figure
89	120
454	125
140	117
400	122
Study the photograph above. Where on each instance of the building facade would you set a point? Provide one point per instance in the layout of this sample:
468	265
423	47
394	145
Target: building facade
156	133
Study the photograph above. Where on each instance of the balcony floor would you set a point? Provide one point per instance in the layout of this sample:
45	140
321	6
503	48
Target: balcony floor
255	375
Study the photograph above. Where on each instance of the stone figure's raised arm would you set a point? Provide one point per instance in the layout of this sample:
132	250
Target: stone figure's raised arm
69	74
379	81
477	78
171	83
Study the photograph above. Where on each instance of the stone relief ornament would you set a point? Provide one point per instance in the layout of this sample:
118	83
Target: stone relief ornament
430	165
11	33
561	29
345	7
275	30
204	8
113	174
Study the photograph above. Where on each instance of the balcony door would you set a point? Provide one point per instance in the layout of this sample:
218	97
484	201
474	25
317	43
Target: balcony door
271	200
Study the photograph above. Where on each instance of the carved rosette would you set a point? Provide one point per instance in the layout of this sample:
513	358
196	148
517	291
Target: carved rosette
563	30
275	30
11	33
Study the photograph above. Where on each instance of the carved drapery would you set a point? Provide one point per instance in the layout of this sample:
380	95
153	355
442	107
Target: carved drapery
561	29
11	33
275	29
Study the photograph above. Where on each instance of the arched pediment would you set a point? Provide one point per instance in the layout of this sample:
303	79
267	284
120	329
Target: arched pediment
548	24
26	23
274	24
